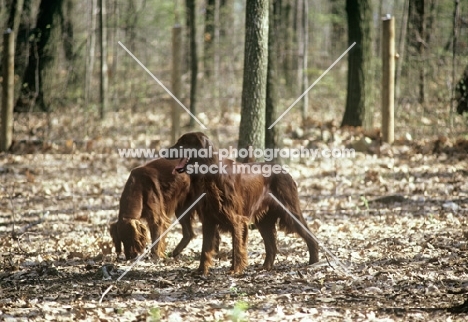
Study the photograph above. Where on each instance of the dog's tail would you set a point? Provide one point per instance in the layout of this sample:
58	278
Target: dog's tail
284	189
292	221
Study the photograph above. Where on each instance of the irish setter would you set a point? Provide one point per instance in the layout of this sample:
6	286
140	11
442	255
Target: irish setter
150	197
234	199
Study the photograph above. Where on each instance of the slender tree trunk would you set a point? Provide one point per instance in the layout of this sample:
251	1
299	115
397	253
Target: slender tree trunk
271	135
14	17
208	52
22	44
91	49
67	30
131	22
8	86
401	49
104	84
288	57
338	27
14	22
358	108
32	91
252	125
299	35
225	14
419	6
305	46
190	4
462	86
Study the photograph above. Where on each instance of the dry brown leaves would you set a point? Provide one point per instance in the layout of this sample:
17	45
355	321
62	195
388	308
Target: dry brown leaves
395	216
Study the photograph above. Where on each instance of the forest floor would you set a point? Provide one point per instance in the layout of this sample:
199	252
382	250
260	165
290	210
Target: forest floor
395	217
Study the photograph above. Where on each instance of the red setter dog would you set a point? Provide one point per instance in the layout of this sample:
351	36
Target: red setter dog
152	194
234	199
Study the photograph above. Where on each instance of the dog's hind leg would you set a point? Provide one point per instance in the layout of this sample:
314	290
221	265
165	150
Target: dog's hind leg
267	228
304	231
209	240
187	233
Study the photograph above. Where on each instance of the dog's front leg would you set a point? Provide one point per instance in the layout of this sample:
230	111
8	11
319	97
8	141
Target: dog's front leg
208	246
239	247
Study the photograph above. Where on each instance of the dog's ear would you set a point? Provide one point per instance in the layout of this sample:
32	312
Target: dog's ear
114	231
248	158
206	141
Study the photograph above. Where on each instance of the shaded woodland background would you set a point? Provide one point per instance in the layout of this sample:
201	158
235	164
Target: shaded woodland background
70	61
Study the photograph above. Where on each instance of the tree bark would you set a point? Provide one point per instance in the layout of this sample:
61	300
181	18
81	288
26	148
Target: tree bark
104	83
208	54
338	27
401	48
358	110
22	44
32	91
271	135
91	49
191	22
305	45
421	29
15	14
252	125
67	30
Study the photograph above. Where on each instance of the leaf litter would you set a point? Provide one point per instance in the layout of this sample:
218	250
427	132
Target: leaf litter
395	217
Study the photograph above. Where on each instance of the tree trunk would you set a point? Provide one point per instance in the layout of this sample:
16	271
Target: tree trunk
14	16
271	135
67	30
91	50
14	23
208	54
22	44
358	108
103	59
305	46
8	86
421	28
288	46
338	27
32	91
401	49
299	37
252	125
225	14
190	4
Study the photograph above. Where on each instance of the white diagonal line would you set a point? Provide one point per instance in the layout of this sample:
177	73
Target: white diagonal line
162	85
310	87
315	238
154	243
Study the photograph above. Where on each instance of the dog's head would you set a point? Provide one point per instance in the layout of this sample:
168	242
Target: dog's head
132	233
191	148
